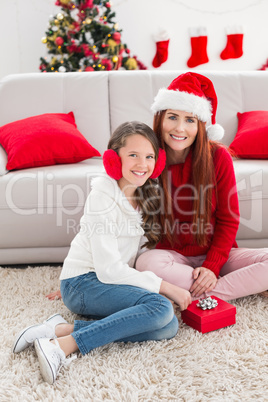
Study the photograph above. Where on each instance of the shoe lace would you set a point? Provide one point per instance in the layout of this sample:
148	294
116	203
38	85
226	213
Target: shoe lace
69	360
59	358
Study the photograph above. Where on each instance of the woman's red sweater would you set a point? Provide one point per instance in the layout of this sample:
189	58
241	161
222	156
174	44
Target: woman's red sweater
225	212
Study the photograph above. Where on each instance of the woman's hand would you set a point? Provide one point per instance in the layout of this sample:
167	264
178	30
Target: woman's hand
204	281
180	297
54	295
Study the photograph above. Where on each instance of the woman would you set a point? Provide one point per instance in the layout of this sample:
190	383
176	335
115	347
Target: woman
200	216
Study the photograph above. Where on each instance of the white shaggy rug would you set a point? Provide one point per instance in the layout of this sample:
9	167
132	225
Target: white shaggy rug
230	364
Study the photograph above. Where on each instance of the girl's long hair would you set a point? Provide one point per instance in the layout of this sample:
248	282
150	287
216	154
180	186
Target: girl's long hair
148	195
203	180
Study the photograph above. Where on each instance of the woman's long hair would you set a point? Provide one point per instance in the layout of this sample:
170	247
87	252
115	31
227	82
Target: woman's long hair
203	180
148	195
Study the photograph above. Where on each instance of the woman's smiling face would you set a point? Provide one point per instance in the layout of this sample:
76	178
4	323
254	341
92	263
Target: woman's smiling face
179	130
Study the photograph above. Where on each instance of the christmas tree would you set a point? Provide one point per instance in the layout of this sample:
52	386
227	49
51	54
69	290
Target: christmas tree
84	37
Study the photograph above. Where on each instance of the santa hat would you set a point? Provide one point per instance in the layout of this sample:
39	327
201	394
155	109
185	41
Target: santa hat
193	93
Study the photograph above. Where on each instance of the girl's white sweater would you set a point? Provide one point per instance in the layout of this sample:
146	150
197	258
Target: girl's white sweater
109	239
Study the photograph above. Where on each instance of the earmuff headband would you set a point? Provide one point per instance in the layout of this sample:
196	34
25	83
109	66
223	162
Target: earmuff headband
113	165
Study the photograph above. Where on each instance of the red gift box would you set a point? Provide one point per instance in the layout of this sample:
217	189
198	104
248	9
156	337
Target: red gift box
204	321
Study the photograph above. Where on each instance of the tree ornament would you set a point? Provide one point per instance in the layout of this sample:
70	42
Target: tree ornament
131	64
65	2
199	47
112	44
86	4
60	16
107	64
44	39
59	41
116	37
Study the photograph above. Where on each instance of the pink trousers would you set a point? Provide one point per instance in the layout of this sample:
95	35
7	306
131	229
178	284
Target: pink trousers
245	272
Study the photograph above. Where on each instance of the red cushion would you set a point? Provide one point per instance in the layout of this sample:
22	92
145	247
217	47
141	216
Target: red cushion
44	140
251	140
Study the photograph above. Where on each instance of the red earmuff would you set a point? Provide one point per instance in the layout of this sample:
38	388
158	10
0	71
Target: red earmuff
113	165
160	164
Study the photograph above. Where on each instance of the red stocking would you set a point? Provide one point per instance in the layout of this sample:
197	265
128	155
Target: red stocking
162	42
199	47
234	45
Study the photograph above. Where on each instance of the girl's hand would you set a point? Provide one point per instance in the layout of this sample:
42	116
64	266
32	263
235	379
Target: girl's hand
204	281
180	297
183	298
54	295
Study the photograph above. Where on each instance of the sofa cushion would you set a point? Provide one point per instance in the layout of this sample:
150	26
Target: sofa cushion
44	140
42	207
251	140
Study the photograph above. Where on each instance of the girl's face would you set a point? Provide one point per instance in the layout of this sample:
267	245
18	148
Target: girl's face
138	161
179	130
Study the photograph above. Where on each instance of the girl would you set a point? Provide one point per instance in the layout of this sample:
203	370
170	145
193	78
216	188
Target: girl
198	251
98	279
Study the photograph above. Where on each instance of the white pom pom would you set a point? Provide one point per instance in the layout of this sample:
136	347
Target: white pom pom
215	132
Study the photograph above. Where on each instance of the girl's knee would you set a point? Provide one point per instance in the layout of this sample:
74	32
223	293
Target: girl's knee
169	331
165	311
159	307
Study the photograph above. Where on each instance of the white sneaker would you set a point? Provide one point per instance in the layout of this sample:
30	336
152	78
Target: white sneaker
51	358
28	335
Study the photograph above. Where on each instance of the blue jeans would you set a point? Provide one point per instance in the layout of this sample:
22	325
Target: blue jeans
121	313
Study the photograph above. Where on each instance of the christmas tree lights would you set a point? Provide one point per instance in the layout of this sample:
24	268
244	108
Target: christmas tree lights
83	36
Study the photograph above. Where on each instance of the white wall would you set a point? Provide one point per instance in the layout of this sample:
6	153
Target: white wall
140	19
23	23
